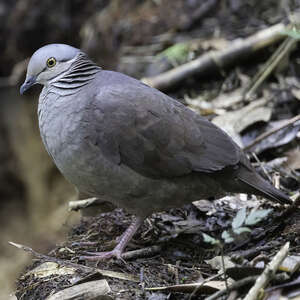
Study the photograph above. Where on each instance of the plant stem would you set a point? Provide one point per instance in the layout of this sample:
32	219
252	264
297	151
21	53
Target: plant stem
223	266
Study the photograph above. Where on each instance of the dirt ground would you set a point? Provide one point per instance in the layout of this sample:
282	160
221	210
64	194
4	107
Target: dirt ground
181	259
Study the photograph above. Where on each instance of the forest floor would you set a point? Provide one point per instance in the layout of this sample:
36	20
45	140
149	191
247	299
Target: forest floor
181	260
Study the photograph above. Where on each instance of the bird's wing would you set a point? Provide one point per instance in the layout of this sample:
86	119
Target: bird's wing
157	136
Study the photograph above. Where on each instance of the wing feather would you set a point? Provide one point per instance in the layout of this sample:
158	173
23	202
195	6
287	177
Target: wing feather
157	136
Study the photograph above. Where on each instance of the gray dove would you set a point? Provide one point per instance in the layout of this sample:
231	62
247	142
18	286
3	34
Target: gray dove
119	140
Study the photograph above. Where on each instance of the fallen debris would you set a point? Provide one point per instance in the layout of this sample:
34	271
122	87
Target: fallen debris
82	268
269	272
217	60
91	290
268	133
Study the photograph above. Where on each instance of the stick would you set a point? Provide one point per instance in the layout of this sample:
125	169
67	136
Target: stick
272	131
241	283
202	283
83	268
144	252
270	65
215	60
269	272
262	166
80	204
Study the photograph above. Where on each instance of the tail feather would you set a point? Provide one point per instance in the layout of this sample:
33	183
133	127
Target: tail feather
262	187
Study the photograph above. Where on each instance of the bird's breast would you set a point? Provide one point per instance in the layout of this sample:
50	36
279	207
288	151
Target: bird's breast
69	137
63	132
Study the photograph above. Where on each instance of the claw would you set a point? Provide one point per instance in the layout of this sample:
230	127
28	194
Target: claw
118	250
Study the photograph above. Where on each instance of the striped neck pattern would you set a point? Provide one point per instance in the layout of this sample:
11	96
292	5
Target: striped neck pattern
80	73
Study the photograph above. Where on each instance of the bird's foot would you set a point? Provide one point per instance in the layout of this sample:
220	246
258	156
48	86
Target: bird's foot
118	250
96	256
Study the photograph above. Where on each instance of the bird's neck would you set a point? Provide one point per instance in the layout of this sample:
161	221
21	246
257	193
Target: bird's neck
80	73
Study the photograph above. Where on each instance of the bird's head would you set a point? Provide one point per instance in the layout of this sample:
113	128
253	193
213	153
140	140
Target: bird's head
48	63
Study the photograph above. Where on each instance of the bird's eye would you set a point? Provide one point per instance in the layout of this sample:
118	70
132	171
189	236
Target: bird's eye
51	62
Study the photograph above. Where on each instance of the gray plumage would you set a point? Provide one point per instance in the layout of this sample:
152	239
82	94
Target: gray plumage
118	139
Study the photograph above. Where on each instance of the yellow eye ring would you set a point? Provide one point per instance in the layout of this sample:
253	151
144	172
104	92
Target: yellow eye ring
51	62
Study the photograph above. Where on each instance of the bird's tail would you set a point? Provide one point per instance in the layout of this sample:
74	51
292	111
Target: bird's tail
259	186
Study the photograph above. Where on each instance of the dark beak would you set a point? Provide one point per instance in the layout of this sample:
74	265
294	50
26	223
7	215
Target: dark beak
30	81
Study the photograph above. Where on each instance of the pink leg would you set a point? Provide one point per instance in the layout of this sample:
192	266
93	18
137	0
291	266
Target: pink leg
118	250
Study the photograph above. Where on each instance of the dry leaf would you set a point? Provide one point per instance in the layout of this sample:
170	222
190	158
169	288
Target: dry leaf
51	268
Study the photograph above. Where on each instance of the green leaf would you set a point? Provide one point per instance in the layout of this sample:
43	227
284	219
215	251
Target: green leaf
241	230
227	237
176	53
292	33
239	218
210	240
256	216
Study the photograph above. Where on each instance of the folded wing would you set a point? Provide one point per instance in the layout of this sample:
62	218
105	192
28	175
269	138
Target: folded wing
157	136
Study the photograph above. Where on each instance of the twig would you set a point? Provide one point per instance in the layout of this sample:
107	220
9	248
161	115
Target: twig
185	287
241	283
144	252
270	65
269	272
249	253
275	163
215	60
223	267
276	180
83	268
91	207
272	131
176	272
195	291
291	209
234	286
80	204
296	198
262	166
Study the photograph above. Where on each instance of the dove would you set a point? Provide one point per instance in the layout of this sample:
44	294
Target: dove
119	140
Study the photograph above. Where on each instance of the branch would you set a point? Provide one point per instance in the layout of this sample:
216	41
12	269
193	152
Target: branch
215	60
272	131
241	283
270	65
269	272
80	204
144	252
82	268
